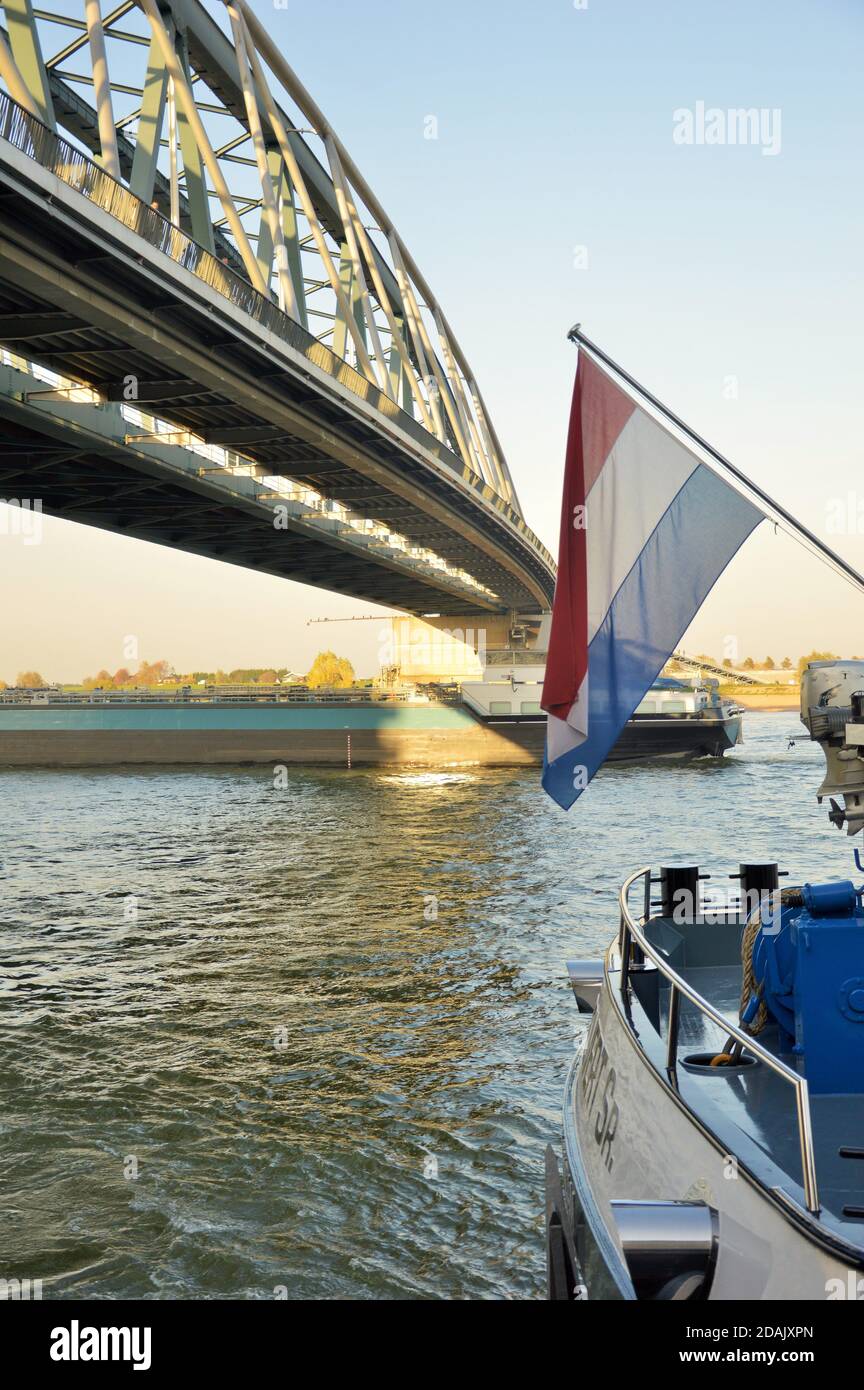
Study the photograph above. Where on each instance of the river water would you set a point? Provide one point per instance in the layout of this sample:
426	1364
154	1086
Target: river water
312	1040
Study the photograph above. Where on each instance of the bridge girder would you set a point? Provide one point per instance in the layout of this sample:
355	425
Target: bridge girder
399	432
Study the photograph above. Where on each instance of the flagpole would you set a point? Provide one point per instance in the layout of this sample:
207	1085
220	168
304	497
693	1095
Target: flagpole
577	336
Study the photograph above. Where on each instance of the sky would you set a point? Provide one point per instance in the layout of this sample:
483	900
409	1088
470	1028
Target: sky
725	277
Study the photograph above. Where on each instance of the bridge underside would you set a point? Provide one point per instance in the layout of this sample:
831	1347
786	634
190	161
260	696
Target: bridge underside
89	482
75	301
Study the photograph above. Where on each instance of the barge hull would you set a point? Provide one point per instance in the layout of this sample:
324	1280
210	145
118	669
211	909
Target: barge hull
428	736
676	738
468	745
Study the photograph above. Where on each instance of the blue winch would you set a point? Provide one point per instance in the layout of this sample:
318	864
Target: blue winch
808	958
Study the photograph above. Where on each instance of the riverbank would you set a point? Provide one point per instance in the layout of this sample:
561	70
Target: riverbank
774	701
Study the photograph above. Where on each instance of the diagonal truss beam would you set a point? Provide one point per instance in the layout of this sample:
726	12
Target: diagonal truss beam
102	88
187	101
27	52
287	295
371	301
264	43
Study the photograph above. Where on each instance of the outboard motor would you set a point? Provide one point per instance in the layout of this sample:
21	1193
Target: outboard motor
832	707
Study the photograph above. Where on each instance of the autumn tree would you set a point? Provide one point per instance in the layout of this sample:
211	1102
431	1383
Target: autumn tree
328	669
153	672
30	678
816	656
101	681
786	664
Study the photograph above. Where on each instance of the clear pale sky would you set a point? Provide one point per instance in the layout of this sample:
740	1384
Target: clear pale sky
704	263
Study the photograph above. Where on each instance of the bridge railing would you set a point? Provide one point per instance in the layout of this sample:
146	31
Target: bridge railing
59	157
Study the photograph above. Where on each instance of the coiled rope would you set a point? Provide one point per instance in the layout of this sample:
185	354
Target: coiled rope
789	897
750	988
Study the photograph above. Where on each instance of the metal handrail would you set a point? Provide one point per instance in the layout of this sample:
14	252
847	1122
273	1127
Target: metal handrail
203	695
632	933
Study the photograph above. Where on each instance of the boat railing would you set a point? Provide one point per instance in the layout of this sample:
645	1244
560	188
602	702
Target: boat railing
204	695
635	948
515	656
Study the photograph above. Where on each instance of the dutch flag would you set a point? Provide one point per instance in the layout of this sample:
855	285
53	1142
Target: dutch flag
646	530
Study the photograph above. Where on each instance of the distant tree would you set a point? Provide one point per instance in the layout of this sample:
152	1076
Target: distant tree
727	663
328	669
122	676
768	664
816	656
3	685
748	664
102	680
245	675
153	672
267	678
220	678
786	664
30	678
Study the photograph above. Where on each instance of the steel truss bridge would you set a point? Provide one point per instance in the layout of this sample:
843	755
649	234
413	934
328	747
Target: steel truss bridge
212	335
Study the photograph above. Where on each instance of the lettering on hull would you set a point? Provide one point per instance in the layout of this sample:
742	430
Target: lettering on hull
597	1083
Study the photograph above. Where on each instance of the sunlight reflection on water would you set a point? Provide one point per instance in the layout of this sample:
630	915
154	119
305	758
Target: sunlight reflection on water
282	1037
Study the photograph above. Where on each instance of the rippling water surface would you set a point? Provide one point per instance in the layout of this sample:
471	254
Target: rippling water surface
332	1041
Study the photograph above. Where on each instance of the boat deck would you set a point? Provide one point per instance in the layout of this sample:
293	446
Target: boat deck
758	1103
752	1109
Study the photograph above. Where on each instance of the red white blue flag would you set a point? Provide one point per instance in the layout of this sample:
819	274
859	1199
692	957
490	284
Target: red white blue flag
646	530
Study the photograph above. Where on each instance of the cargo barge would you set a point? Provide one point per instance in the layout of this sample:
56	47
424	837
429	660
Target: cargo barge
494	722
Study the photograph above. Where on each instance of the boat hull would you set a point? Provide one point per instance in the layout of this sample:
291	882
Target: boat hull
325	734
628	1138
328	734
674	737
